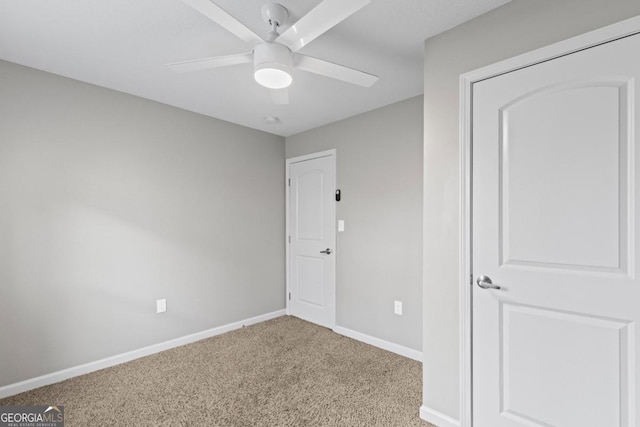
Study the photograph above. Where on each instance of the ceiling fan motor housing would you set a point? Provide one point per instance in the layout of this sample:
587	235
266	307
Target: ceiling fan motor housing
272	65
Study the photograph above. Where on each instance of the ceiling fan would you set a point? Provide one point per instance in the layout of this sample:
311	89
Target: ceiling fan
275	56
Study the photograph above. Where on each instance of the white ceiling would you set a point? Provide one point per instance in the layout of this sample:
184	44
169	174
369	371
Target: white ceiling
124	44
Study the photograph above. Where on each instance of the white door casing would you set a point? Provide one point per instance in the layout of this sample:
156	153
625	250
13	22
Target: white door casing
554	209
311	237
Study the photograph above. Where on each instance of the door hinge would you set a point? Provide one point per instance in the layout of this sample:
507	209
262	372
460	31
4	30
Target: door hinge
289	182
471	279
289	239
289	296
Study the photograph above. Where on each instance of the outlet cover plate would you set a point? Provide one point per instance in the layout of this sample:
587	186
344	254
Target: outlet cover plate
397	307
161	305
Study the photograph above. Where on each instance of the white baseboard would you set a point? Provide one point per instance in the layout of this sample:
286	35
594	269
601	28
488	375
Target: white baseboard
54	377
437	417
380	343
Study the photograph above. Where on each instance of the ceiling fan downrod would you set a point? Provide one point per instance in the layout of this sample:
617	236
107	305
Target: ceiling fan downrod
275	15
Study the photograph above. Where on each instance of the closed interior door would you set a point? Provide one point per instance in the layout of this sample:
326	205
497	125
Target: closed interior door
554	232
312	239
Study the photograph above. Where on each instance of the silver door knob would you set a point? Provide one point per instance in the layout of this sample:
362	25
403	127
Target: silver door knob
326	251
485	283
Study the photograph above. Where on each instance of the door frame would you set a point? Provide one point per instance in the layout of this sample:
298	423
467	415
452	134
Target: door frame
585	41
327	153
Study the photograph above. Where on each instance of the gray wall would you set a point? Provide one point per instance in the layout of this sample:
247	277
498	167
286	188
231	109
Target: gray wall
108	202
515	28
379	160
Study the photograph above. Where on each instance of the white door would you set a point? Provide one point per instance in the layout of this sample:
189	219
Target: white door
554	207
311	275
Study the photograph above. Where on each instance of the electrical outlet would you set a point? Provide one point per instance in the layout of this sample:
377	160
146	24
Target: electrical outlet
397	308
161	305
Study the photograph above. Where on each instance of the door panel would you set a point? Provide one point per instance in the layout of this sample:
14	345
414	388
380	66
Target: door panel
312	219
579	353
553	121
310	280
308	186
553	208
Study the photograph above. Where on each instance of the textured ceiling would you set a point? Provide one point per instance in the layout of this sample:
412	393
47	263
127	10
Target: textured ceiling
124	45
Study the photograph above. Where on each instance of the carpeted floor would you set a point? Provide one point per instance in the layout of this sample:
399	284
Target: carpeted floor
284	372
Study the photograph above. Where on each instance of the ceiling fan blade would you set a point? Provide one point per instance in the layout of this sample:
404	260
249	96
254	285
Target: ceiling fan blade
335	71
280	96
226	21
209	63
323	17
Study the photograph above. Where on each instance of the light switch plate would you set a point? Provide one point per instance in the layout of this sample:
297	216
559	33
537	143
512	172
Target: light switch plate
340	225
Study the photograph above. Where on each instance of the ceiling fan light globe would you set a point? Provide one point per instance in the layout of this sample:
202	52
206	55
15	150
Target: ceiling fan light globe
272	65
273	78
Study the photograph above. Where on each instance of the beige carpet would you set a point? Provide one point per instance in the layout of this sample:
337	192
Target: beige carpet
284	372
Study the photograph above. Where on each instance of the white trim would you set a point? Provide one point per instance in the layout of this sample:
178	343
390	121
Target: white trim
380	343
437	418
584	41
465	255
287	220
327	153
54	377
311	156
574	44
